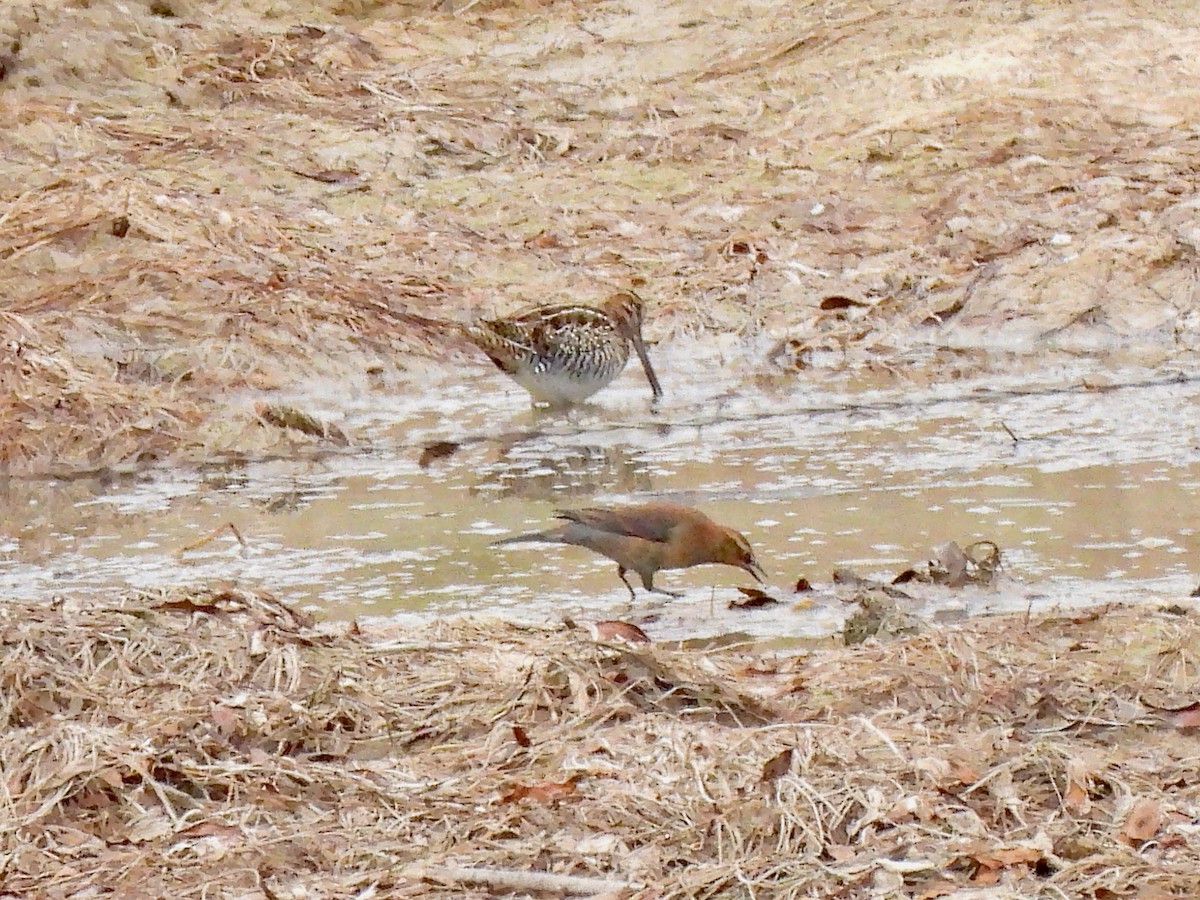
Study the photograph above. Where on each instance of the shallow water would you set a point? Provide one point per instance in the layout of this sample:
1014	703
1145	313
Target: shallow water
1090	494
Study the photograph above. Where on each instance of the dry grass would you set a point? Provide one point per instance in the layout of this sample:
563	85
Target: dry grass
207	206
215	742
204	205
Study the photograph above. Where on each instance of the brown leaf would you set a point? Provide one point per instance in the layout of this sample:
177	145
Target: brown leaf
546	792
754	599
435	451
211	829
520	736
616	630
842	853
290	418
954	561
933	888
777	766
839	302
985	876
227	720
1075	797
802	585
1187	718
963	772
1152	892
189	605
543	240
1092	615
992	861
1143	822
944	315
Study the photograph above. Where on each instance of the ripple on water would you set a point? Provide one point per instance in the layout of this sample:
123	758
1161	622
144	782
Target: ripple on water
1087	493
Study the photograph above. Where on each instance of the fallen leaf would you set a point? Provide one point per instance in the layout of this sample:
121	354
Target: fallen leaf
934	888
839	302
954	562
985	557
985	876
227	720
543	240
1143	822
1092	615
211	829
289	418
435	451
1187	718
802	585
963	772
842	853
546	792
777	766
520	736
992	861
1075	797
754	599
943	315
616	630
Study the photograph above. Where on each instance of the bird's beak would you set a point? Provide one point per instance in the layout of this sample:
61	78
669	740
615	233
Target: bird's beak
756	570
640	347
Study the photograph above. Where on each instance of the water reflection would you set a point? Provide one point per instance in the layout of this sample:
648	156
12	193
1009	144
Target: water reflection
531	473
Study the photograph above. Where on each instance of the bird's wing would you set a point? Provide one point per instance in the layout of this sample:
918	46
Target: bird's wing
649	525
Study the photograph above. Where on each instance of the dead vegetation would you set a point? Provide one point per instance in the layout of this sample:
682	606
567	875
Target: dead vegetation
215	741
207	206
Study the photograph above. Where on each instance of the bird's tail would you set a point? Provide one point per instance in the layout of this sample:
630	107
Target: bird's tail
532	537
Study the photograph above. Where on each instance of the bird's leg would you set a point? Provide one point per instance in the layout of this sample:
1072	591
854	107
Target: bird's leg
632	594
648	581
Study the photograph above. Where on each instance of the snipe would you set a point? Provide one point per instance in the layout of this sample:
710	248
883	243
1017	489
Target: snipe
563	354
648	538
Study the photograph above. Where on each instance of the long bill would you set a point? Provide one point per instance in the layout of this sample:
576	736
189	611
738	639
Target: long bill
756	570
640	348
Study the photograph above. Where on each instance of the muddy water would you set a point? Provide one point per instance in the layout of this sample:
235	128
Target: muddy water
1092	494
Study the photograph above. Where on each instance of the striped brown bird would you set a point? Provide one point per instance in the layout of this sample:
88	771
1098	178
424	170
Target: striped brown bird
648	538
563	354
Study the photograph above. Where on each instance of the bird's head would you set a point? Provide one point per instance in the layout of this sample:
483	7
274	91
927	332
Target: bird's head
734	550
626	310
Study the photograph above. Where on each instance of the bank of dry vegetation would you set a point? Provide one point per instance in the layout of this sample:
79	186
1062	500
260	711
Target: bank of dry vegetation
215	742
203	204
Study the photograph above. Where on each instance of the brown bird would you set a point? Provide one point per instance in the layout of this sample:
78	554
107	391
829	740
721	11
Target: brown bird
649	537
563	354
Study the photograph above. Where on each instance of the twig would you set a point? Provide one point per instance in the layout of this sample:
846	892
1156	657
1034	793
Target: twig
195	545
1016	440
518	879
878	732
